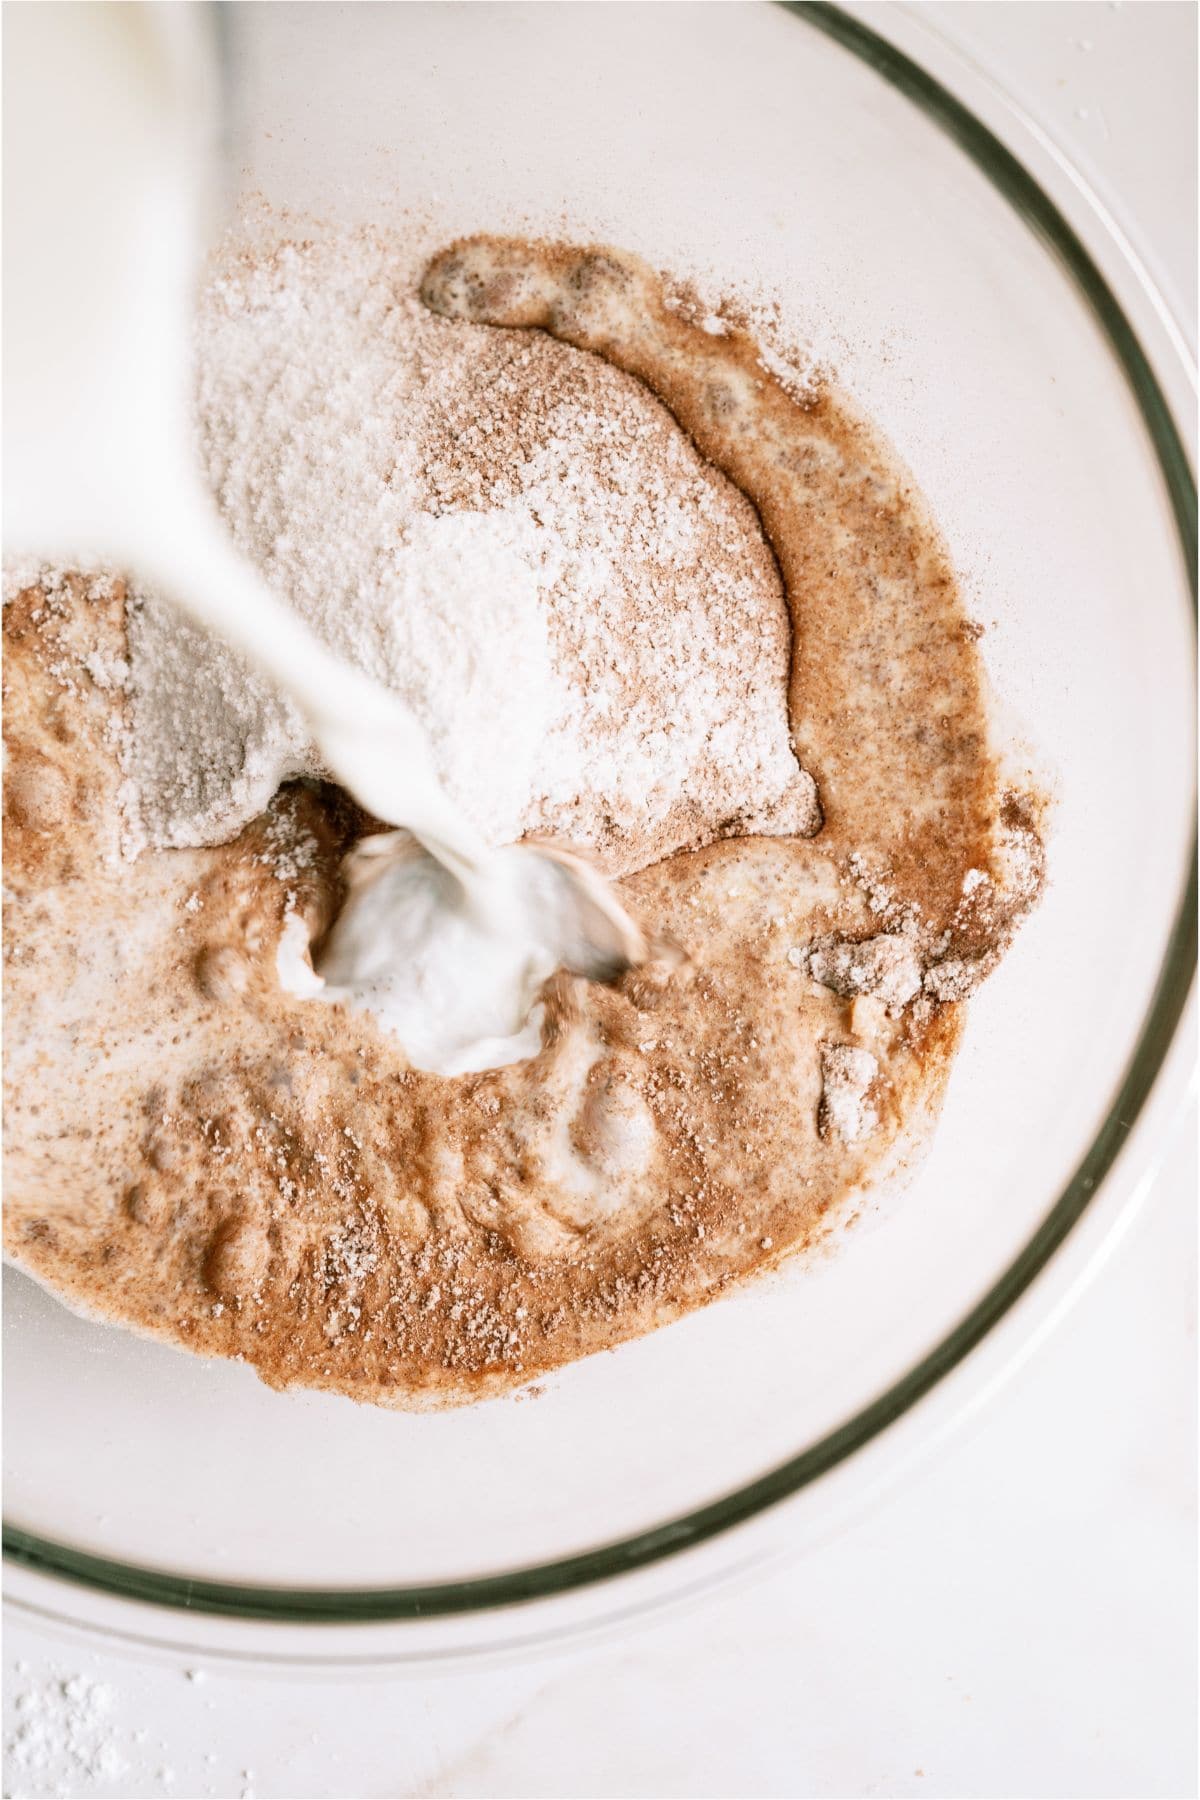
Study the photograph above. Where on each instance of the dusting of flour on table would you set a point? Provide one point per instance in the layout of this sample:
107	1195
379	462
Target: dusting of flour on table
63	1729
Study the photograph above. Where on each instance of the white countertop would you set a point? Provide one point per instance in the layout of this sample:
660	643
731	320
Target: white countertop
1019	1619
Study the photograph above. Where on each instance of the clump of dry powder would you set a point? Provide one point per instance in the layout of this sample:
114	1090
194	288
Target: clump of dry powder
511	533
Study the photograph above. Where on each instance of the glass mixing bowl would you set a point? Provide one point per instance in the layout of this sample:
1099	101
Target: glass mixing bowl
988	320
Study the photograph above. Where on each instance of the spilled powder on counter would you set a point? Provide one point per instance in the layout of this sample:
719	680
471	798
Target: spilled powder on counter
69	1733
63	1728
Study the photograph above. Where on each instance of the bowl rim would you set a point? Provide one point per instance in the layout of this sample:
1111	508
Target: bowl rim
623	1556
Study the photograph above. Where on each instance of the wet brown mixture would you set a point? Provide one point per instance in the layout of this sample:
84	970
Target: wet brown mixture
197	1154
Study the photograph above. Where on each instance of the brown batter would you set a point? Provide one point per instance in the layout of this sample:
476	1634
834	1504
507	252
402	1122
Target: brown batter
196	1153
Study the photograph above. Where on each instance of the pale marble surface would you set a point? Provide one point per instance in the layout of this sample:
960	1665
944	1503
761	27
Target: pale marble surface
1019	1620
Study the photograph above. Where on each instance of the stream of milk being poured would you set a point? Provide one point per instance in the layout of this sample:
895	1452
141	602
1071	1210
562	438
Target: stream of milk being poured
449	943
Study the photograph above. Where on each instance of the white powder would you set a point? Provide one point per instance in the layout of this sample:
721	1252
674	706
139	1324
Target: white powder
509	533
847	1072
886	967
63	1726
69	1734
